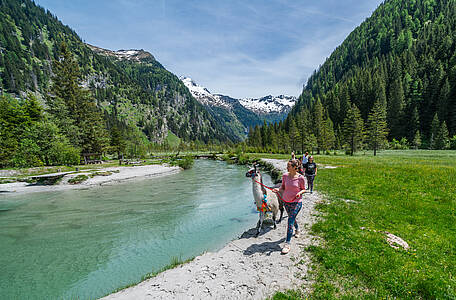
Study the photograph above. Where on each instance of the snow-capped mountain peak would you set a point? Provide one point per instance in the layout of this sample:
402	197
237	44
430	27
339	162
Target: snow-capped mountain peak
269	104
194	87
266	105
202	94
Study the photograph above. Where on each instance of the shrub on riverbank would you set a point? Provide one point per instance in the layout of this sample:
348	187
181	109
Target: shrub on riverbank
238	158
186	162
78	179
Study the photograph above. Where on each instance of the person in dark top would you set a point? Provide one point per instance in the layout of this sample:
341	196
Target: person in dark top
310	169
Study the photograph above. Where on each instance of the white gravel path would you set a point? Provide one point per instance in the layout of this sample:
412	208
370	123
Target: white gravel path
246	268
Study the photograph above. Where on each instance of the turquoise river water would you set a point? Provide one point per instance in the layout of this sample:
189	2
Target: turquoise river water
83	244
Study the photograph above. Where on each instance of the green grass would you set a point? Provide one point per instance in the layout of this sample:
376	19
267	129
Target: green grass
411	194
173	140
78	179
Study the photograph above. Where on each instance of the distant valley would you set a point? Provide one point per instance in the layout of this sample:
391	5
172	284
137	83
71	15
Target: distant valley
245	112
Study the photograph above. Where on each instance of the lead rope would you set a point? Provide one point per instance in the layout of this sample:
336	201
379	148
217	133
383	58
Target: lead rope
269	189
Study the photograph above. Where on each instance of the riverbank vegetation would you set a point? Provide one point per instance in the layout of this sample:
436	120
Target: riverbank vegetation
185	161
410	194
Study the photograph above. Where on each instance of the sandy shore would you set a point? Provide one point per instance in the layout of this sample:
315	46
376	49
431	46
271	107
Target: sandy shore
246	268
119	174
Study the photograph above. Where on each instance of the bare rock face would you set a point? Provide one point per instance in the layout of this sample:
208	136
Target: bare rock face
132	54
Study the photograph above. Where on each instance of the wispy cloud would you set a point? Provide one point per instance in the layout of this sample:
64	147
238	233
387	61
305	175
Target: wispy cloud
242	75
238	48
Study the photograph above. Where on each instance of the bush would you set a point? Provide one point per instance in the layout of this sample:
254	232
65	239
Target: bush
244	159
399	145
453	143
78	179
186	162
27	155
61	153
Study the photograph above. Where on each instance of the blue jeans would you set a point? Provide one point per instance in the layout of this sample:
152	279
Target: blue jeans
310	182
292	211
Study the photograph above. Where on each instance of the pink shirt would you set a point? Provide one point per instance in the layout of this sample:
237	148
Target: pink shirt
292	186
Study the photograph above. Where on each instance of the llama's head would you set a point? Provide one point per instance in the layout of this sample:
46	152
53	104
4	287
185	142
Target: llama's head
253	172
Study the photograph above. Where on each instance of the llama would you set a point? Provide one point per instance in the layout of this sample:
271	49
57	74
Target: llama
265	199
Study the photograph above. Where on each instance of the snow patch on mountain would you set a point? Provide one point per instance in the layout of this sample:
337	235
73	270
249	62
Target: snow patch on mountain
269	104
203	95
265	105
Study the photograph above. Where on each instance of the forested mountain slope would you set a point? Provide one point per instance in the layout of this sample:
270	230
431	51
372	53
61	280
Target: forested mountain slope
402	57
138	97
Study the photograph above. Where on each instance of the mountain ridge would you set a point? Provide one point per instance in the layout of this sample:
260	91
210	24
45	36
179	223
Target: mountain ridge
248	111
131	54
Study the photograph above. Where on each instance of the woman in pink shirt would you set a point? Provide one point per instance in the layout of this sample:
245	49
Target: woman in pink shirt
293	186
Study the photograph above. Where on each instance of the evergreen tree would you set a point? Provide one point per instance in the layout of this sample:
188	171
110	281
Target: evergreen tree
256	141
317	117
413	123
353	129
312	142
304	130
444	96
442	141
73	107
294	135
328	138
377	127
435	128
416	143
395	109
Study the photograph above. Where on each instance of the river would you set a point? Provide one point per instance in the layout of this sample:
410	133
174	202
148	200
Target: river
84	244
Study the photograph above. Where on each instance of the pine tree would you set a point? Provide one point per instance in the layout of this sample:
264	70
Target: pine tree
353	129
395	109
435	127
413	123
442	140
303	127
417	140
444	96
256	141
377	127
312	142
73	108
294	135
317	116
328	137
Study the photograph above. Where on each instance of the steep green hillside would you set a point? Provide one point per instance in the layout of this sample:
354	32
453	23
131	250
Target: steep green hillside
155	100
239	117
402	57
140	95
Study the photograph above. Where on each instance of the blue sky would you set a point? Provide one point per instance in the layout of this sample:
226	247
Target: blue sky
240	48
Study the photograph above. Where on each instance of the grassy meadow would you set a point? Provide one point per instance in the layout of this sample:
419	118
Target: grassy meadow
411	194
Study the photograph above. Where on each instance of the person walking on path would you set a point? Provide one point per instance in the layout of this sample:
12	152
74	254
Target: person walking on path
310	169
304	158
292	188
